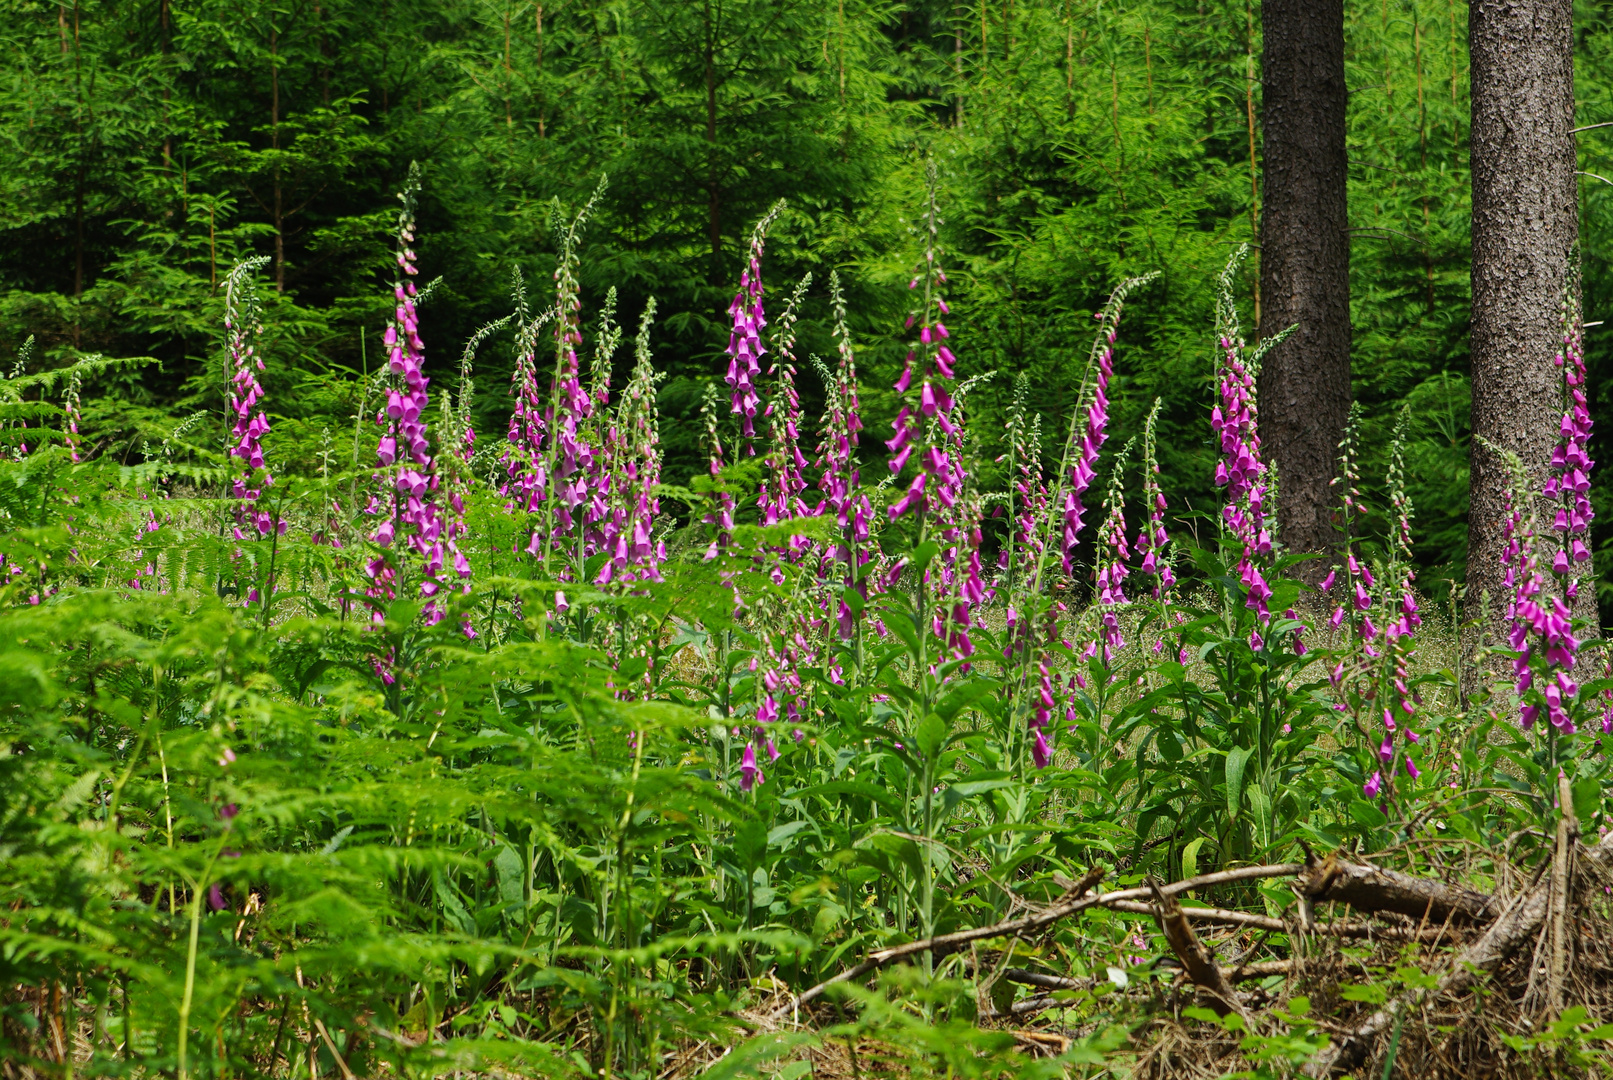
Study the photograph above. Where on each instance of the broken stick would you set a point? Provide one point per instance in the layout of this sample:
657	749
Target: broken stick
1074	900
1266	922
1520	921
1196	959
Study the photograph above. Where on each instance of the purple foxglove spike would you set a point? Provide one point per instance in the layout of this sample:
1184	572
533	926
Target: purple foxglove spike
749	773
1041	753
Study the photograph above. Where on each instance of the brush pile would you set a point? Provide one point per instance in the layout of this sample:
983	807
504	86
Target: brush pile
1371	972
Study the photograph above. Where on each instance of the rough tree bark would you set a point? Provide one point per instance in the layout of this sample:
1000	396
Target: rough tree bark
1304	264
1525	224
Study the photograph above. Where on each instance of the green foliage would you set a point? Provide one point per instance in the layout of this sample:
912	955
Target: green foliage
1080	143
257	818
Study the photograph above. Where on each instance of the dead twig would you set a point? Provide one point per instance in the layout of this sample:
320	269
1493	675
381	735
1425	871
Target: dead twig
1266	922
1515	925
948	942
1075	901
1196	959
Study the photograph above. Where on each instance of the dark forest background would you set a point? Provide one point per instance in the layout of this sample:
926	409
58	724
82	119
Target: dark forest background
149	146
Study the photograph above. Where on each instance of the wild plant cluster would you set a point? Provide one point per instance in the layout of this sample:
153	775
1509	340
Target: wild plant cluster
447	752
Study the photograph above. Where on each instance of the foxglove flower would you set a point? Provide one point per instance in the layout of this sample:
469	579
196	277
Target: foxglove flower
1541	622
19	368
745	348
524	457
1400	612
406	468
1089	425
243	320
635	554
955	575
1153	544
750	774
722	515
1351	509
836	462
569	455
1236	425
1041	752
925	419
457	435
1028	497
70	407
784	481
929	428
1385	652
601	502
1569	482
1112	572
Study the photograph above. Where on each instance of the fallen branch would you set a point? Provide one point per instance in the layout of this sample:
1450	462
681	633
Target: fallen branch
1260	969
1074	901
1266	922
1047	982
1372	889
948	942
1196	959
1516	924
1204	881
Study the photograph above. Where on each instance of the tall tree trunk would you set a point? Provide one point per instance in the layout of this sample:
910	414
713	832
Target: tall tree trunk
1254	169
1525	223
1305	264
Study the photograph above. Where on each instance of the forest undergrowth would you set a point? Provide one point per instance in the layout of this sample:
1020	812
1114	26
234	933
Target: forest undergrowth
470	753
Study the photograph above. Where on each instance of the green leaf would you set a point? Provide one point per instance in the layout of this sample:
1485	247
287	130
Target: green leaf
1170	747
854	601
746	1060
511	875
902	627
1587	799
1260	805
931	733
964	696
1369	993
1368	815
1237	759
780	833
879	795
335	842
953	794
1190	857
